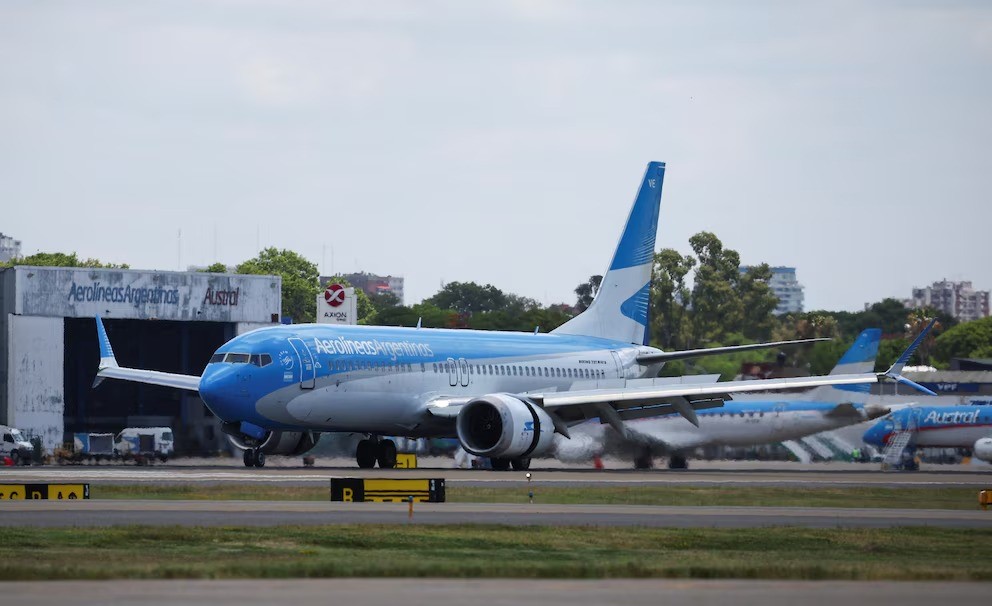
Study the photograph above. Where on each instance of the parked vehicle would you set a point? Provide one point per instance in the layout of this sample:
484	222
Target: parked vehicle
144	442
13	444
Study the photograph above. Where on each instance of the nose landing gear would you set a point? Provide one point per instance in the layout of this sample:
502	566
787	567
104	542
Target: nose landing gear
370	451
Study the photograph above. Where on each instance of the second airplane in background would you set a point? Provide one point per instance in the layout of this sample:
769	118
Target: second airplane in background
738	423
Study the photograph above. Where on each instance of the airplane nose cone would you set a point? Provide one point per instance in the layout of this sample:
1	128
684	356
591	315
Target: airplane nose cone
875	434
216	392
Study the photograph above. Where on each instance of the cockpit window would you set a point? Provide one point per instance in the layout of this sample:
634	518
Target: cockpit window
261	359
237	358
217	357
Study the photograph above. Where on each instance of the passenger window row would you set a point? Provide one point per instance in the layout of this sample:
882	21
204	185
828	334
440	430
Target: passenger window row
373	365
524	371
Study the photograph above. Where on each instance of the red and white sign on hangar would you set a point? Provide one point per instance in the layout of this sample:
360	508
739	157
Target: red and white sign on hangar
337	305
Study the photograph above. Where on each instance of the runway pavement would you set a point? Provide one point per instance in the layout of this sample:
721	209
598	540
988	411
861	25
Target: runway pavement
728	474
272	513
496	592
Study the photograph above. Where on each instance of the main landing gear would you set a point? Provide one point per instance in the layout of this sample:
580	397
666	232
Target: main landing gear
371	451
521	464
254	457
677	462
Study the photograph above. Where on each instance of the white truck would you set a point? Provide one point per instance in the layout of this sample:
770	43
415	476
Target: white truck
13	444
142	443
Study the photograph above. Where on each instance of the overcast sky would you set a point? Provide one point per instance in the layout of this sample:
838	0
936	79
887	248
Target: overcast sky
503	142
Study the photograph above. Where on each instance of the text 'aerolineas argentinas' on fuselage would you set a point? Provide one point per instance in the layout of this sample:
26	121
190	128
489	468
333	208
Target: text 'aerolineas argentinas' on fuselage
373	347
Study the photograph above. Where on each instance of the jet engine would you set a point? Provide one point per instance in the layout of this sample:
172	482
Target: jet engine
290	443
983	449
504	426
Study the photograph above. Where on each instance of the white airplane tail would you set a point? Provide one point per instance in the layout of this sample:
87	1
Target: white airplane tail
620	309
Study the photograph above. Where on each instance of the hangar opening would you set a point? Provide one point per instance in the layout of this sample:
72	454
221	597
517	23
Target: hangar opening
167	321
168	346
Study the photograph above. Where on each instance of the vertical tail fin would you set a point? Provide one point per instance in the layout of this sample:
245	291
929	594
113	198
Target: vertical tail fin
620	309
858	359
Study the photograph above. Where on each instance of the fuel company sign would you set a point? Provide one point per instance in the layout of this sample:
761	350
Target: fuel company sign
337	305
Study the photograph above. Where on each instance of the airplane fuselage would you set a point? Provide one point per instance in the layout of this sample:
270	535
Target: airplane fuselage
935	426
381	379
733	424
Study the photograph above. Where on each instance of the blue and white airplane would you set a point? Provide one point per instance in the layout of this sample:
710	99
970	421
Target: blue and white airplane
738	423
967	427
503	394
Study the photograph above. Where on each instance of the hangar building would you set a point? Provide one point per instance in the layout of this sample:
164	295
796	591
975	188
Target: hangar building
168	321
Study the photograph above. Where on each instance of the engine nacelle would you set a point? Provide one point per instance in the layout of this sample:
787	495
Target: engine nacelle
983	449
504	426
290	443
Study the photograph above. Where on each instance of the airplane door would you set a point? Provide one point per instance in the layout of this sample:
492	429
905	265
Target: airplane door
779	421
452	372
308	374
463	371
618	363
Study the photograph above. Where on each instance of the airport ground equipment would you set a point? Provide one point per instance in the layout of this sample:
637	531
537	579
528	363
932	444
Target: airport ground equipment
44	491
144	442
387	490
13	444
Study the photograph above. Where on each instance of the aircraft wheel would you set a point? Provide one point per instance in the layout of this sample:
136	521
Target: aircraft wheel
366	454
248	457
386	455
521	464
500	464
259	458
644	460
677	462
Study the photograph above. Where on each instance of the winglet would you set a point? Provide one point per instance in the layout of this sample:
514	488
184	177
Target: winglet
895	372
107	359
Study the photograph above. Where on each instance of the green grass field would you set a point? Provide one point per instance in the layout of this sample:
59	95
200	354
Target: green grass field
910	498
494	551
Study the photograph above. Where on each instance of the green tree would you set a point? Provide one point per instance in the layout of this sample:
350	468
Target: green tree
468	298
670	297
888	314
758	303
716	306
384	300
430	316
215	268
966	340
300	280
59	259
586	292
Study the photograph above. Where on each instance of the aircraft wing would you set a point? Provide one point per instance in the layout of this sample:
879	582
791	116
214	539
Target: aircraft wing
668	356
152	377
109	368
630	400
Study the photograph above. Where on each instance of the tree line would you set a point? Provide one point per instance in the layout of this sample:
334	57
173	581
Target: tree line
701	299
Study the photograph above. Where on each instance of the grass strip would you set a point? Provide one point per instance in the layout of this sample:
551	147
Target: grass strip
139	552
744	496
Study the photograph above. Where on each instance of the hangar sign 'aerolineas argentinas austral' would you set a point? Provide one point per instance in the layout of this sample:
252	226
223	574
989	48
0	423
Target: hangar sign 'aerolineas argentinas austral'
502	394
